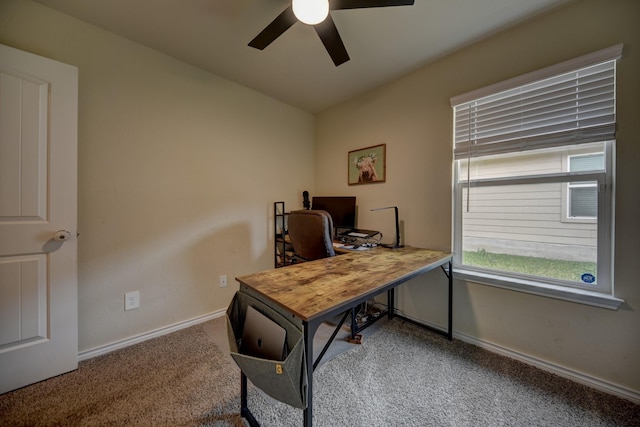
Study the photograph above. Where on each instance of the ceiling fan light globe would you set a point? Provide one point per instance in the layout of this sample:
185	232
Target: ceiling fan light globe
310	12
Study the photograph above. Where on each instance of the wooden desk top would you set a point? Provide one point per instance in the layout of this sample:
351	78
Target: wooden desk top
313	288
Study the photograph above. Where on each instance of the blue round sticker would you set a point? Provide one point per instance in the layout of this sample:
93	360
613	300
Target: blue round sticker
588	278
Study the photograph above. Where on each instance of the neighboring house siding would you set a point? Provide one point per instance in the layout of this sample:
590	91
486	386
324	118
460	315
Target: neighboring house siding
525	219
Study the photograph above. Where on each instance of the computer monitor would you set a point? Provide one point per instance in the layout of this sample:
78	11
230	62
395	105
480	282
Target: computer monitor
341	208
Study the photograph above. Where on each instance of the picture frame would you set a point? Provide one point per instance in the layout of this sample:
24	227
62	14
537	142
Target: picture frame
367	165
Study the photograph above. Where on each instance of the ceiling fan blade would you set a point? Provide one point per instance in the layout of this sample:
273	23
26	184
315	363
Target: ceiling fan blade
361	4
275	29
331	40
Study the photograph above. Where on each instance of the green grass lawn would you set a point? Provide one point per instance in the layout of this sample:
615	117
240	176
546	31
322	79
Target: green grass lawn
544	267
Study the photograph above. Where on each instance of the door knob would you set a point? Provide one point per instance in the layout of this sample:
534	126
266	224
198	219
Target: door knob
62	235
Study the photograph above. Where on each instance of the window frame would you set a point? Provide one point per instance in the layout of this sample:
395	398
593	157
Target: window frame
602	295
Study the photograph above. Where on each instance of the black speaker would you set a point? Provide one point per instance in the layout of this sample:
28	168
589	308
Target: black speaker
305	200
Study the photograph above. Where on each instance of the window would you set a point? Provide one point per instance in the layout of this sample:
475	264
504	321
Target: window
582	197
533	181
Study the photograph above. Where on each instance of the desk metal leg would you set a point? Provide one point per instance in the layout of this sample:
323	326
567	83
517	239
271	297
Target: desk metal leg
243	392
354	326
244	408
449	331
309	332
310	329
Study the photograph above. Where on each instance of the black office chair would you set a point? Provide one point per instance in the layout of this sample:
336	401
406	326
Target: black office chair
311	234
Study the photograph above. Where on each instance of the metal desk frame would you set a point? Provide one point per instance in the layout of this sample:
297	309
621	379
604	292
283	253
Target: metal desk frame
311	326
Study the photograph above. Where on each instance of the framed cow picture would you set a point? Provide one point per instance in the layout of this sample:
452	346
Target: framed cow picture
367	165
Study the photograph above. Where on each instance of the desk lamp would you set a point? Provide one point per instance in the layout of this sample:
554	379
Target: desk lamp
397	244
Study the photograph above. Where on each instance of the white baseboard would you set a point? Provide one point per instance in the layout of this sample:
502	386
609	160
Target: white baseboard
576	376
104	349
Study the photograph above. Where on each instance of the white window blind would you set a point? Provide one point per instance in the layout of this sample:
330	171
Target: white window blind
568	108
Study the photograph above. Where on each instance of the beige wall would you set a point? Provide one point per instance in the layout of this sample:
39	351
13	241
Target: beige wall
412	115
178	170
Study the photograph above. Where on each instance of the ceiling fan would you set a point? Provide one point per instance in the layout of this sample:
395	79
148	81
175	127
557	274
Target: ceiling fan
321	22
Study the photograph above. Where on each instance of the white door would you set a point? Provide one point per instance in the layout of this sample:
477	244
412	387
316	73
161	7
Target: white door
38	191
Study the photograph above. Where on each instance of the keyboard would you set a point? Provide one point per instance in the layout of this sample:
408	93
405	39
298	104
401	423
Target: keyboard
361	234
357	234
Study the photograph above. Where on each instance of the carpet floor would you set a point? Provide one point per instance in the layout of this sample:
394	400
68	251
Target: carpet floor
401	375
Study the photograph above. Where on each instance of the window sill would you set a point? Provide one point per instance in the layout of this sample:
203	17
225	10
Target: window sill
580	296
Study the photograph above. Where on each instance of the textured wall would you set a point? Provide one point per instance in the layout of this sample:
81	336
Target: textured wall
178	170
413	116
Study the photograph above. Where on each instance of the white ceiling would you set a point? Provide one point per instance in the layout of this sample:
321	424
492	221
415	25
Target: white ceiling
383	43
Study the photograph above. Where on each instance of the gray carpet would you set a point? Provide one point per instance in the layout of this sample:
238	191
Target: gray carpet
401	375
406	376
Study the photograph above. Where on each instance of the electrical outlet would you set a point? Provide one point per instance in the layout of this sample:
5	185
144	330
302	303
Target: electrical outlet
223	281
132	300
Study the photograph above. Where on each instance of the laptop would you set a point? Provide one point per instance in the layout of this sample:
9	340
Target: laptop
262	337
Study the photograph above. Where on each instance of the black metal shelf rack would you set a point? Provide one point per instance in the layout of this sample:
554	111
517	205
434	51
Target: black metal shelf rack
282	250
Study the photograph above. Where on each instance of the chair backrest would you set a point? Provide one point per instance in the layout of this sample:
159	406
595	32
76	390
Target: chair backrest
311	234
